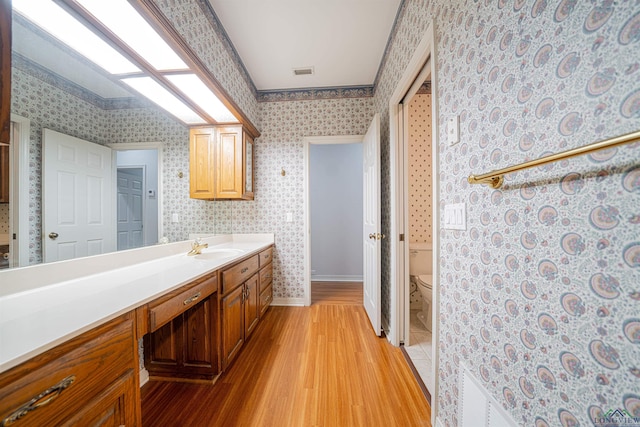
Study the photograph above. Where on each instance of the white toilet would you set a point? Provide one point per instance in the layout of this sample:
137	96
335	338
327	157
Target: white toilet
420	269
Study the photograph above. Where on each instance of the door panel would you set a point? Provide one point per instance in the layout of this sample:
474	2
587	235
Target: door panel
371	218
130	208
77	197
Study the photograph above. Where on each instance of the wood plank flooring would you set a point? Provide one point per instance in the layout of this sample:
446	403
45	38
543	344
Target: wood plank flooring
303	366
336	293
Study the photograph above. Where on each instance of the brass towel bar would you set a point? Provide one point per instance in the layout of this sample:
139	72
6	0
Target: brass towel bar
495	178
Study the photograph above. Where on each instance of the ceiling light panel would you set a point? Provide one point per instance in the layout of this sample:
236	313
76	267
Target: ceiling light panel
125	22
165	99
56	21
194	88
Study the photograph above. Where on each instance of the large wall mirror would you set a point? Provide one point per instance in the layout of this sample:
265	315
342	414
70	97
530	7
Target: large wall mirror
58	94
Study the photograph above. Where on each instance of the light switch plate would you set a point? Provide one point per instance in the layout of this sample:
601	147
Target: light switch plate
455	216
453	130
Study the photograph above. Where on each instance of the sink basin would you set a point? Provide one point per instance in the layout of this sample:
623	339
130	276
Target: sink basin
218	253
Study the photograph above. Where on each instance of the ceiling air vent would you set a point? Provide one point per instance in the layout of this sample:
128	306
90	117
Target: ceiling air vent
306	71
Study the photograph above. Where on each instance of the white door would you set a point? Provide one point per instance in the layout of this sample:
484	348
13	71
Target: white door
77	205
130	208
371	219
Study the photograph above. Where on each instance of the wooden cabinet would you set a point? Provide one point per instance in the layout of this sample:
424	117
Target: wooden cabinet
239	306
5	71
89	380
221	163
183	342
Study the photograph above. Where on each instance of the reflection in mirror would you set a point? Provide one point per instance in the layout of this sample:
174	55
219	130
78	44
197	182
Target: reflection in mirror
55	88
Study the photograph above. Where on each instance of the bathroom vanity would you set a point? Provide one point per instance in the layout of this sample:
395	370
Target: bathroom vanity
70	330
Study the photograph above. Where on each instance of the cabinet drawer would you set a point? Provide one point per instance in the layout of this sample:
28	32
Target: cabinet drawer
266	275
265	257
177	302
52	387
266	297
239	273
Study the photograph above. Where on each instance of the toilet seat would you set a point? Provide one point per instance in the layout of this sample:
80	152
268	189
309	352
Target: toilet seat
426	280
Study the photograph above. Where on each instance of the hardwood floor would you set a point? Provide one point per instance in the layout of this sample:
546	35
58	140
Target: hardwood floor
336	293
303	366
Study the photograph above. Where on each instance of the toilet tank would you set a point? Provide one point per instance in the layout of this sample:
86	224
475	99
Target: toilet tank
420	259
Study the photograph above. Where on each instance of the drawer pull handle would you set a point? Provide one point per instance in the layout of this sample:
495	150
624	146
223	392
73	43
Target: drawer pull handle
192	299
244	270
44	398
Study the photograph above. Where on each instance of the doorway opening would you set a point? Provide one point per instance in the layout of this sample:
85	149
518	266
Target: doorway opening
335	222
421	68
139	194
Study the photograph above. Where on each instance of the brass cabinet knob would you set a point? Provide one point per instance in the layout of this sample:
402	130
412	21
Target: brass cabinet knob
53	235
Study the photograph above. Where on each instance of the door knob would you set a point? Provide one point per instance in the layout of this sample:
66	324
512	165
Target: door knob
53	235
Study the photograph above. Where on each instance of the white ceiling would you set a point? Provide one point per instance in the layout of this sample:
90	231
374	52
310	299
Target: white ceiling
344	40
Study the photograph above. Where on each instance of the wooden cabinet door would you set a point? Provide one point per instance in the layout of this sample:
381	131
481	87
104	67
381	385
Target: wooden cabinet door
113	408
161	350
251	305
202	163
229	163
197	336
232	325
248	174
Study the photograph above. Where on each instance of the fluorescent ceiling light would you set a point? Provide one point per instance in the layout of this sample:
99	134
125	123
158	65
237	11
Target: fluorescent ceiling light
64	27
165	99
195	89
125	22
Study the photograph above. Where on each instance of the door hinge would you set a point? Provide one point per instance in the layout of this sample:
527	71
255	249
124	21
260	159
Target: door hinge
402	237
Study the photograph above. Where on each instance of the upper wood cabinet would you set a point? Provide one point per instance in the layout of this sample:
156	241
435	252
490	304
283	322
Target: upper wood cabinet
5	71
221	163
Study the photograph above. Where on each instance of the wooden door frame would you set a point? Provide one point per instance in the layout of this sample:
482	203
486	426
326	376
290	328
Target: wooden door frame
399	263
19	192
307	141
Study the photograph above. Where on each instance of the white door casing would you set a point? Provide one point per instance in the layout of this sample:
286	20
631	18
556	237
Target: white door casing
371	224
130	208
77	187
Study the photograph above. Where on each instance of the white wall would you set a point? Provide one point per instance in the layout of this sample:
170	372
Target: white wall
149	159
335	184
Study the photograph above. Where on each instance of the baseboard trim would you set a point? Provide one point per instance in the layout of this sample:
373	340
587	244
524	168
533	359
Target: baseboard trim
331	278
292	302
144	377
417	376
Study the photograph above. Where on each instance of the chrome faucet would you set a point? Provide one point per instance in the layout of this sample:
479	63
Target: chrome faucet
197	247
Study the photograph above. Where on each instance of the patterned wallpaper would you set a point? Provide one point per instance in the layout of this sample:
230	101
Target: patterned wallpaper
539	296
280	146
420	221
420	193
4	218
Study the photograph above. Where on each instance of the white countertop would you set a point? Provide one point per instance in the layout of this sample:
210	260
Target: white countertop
45	305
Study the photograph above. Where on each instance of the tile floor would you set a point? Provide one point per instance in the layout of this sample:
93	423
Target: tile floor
419	349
